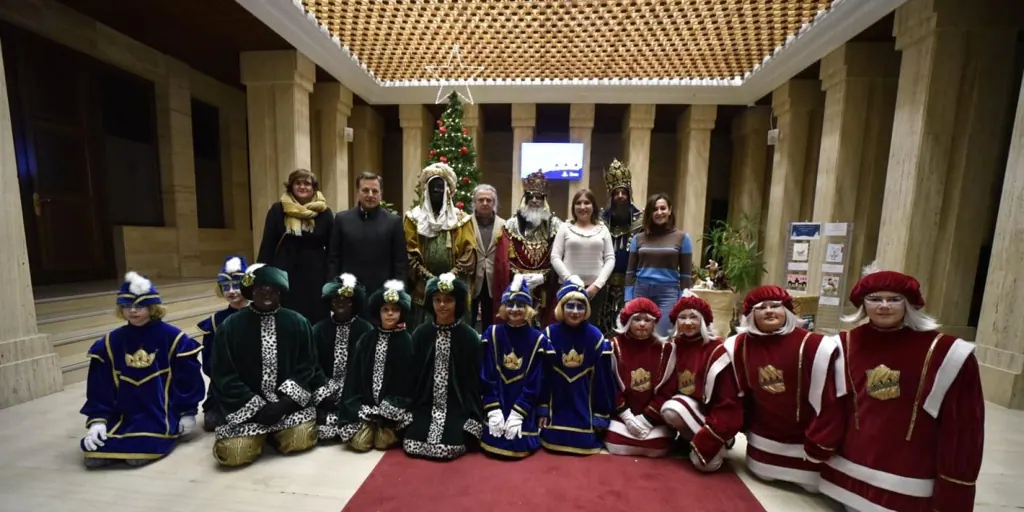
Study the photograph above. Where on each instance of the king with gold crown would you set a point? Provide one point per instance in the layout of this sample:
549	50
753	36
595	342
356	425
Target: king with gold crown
511	373
524	248
624	220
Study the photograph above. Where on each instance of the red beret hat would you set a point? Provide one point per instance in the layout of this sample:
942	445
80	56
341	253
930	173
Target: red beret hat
692	302
888	281
639	305
766	293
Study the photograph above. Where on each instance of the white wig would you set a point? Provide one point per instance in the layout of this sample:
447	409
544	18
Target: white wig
624	328
913	318
707	331
748	325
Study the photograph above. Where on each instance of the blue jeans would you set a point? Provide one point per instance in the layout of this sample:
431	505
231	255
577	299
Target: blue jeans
665	296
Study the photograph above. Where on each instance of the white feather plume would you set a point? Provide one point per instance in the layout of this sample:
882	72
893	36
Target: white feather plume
870	268
394	285
447	278
517	283
576	280
347	280
688	293
136	283
254	267
233	265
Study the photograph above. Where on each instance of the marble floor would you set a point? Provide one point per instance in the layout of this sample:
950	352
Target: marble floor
42	470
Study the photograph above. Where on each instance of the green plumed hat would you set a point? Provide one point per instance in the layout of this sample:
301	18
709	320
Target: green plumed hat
448	284
260	274
346	285
393	292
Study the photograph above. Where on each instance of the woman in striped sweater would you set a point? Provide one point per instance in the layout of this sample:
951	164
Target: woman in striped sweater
660	259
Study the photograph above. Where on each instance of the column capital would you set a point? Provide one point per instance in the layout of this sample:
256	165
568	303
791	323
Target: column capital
332	95
472	116
798	95
640	116
752	119
917	19
581	115
413	116
278	67
697	117
524	115
859	61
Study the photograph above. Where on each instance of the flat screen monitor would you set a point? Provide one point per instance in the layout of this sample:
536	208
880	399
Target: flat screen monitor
557	160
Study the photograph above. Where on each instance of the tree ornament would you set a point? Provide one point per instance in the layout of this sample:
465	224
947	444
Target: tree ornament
440	122
463	150
466	180
465	131
460	205
442	129
444	160
432	152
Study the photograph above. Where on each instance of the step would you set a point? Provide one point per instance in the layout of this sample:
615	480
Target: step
78	303
58	325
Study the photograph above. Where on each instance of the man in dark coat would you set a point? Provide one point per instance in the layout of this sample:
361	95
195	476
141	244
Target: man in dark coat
368	241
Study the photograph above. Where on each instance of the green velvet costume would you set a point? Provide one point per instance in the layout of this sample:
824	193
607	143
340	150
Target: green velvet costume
446	362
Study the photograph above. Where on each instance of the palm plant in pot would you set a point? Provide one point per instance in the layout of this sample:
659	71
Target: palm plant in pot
735	263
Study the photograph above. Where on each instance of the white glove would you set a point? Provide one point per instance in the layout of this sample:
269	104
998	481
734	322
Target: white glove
713	464
533	280
496	423
186	425
514	426
95	437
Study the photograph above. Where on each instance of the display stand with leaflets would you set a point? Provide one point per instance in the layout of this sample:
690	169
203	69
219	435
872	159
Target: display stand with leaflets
801	237
831	279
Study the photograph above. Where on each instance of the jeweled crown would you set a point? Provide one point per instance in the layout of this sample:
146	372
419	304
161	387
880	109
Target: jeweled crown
572	359
140	359
617	176
511	362
535	182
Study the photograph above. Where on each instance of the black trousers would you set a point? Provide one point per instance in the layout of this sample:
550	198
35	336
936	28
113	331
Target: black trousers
483	305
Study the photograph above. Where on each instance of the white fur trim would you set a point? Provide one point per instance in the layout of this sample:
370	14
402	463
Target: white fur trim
716	367
347	280
819	372
394	285
686	408
253	268
621	449
766	445
517	283
916	487
951	365
852	501
809	480
233	265
137	284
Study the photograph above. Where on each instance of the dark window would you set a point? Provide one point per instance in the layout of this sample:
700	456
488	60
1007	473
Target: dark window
209	175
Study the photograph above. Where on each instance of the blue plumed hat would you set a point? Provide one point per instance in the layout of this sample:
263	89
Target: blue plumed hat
137	291
572	289
233	269
517	290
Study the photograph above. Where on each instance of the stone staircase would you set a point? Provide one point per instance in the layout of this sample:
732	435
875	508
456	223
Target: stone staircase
74	322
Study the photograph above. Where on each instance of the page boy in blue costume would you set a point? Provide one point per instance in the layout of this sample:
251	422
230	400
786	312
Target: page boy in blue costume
511	371
229	286
144	383
579	383
382	373
335	338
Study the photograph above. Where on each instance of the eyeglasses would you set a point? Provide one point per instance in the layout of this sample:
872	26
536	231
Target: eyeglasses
575	307
230	286
764	306
876	300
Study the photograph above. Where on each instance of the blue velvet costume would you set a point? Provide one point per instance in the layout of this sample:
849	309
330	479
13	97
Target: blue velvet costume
142	381
231	272
579	386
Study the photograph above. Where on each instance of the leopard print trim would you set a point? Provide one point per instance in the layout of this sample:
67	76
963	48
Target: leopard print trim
293	390
474	427
323	392
329	430
433	450
247	411
439	407
367	412
255	429
401	417
346	432
268	349
380	355
341	345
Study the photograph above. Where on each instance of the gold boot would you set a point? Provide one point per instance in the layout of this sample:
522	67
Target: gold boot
363	440
385	439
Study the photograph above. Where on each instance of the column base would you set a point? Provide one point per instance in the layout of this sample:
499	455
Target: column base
28	370
1002	387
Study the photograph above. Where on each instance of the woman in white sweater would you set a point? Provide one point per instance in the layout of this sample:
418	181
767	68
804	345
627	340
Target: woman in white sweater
584	248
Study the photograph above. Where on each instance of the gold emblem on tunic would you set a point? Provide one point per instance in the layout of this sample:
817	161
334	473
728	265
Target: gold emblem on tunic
686	382
572	359
640	380
140	359
511	362
770	379
883	383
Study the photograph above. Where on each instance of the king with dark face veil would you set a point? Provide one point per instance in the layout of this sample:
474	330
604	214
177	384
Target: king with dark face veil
264	374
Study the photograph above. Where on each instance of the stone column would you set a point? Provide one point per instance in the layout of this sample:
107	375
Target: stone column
524	119
277	85
235	163
793	104
367	144
416	131
1001	326
859	80
581	129
28	367
691	194
333	103
636	130
749	162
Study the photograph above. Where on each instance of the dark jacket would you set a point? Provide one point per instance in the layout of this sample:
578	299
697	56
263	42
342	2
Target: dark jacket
304	258
370	246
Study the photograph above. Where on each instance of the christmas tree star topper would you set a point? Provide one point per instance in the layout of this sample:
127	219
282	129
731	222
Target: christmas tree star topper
454	84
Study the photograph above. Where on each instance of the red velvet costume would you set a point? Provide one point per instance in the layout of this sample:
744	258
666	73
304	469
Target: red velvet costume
915	419
645	381
794	420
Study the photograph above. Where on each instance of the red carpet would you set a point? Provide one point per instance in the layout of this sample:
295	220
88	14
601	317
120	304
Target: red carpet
548	482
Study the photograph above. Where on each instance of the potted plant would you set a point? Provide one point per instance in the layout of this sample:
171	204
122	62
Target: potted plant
735	265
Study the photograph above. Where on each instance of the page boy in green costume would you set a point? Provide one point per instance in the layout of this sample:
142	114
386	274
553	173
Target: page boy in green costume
383	371
264	366
446	360
335	339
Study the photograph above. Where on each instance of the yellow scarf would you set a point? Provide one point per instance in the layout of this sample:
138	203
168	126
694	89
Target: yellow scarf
301	217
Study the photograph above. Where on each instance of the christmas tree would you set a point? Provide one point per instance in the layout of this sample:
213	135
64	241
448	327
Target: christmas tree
452	145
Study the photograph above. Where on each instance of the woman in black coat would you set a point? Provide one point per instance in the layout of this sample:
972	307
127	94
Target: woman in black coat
296	235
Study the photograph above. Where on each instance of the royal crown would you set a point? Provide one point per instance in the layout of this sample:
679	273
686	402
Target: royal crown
535	182
687	382
572	359
391	296
617	176
512	362
640	380
770	379
883	382
140	359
